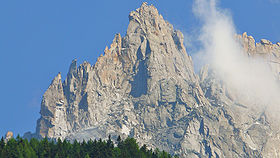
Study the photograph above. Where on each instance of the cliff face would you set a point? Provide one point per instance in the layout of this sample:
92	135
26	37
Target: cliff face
144	86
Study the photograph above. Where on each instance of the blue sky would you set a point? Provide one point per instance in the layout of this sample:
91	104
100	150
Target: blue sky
40	38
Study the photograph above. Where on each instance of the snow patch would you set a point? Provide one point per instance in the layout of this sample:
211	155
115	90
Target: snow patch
125	130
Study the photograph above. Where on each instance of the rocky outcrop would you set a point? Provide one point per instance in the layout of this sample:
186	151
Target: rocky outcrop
265	50
8	136
144	86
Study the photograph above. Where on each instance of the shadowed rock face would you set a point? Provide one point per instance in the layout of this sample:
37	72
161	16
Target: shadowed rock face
144	86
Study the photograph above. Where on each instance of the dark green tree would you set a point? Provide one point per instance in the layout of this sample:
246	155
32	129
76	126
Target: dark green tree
10	149
44	148
129	148
87	156
76	149
2	144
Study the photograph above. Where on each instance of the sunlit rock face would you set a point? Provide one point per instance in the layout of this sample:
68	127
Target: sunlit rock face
144	86
264	49
9	135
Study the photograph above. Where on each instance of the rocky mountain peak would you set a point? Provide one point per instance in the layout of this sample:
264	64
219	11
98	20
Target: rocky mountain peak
73	68
145	16
144	86
147	21
140	73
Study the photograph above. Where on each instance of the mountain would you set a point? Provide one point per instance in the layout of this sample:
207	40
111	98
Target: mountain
144	86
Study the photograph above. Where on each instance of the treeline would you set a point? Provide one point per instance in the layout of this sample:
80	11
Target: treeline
128	148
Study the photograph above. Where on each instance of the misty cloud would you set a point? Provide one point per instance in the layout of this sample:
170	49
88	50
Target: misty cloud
250	78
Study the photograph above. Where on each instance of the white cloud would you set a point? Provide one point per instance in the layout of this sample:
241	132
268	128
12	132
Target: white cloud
250	78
